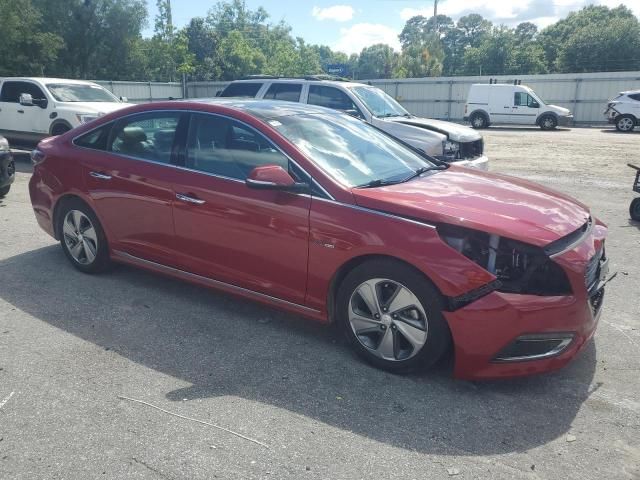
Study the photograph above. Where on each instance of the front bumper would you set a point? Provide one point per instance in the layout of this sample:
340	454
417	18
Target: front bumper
481	163
483	330
565	121
7	169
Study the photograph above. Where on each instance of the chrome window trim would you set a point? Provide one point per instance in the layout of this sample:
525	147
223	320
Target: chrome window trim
210	281
377	212
179	167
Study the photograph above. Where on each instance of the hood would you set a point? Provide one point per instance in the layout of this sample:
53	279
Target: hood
559	110
496	204
453	131
94	107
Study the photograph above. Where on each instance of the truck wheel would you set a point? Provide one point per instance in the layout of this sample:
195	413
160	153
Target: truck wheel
59	129
625	123
479	121
634	209
548	122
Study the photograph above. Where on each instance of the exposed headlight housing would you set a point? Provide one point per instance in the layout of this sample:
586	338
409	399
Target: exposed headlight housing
450	150
88	117
519	267
4	145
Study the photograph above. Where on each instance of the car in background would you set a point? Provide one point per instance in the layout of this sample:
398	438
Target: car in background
7	167
34	108
316	212
445	141
511	104
624	111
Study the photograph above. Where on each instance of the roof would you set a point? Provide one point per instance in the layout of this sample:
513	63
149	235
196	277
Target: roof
265	109
50	80
266	78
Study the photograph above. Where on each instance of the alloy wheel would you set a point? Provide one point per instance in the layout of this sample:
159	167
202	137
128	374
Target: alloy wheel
625	124
80	237
388	319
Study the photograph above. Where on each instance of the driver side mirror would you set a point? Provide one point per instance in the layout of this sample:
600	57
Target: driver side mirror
534	104
26	100
124	99
354	113
273	177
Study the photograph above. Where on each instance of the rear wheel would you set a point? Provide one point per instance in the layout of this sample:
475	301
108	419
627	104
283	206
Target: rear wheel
479	121
625	123
392	316
548	122
4	190
82	238
634	209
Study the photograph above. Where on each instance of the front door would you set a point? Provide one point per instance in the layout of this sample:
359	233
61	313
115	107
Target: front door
525	109
254	239
129	178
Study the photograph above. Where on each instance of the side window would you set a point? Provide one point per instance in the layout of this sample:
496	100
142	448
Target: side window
330	97
289	92
148	136
241	89
96	139
228	148
635	96
520	99
11	91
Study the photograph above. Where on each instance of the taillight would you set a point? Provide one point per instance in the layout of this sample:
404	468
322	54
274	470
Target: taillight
37	156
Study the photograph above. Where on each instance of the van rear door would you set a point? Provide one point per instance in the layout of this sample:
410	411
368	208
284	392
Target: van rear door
500	103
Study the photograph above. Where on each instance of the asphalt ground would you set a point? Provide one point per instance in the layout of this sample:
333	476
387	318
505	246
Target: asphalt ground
72	344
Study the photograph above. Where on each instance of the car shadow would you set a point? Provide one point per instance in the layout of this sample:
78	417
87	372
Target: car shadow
22	161
613	130
225	346
501	128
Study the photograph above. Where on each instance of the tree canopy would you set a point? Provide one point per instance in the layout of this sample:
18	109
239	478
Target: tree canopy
103	39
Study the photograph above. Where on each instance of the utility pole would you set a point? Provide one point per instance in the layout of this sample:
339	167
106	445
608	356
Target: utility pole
435	14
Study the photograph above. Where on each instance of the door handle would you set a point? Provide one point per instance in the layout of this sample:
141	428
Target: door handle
100	176
188	199
20	111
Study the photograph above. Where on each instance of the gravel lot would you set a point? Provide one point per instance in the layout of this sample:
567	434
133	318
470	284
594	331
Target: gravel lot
70	344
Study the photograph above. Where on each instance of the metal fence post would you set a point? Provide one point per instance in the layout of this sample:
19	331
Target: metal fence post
575	97
450	99
150	92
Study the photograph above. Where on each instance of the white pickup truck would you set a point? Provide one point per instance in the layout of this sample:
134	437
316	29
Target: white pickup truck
34	108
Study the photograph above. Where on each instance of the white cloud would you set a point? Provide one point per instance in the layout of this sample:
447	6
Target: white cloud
360	35
339	13
540	12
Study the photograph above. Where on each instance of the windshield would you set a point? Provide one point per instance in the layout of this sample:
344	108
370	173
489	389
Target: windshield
63	92
379	103
349	150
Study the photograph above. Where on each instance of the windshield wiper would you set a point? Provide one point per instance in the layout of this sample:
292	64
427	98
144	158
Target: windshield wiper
387	115
422	170
378	183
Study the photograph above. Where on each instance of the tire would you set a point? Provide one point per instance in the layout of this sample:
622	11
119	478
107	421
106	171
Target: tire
78	226
478	121
4	191
625	123
634	209
411	334
548	122
59	129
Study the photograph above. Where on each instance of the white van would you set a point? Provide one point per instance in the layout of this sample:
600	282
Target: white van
34	108
511	104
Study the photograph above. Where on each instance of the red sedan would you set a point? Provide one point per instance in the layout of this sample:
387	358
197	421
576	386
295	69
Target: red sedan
320	214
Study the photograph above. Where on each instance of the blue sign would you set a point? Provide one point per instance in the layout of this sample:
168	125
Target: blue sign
338	69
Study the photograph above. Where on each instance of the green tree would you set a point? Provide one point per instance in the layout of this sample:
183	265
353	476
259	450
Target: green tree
377	61
26	49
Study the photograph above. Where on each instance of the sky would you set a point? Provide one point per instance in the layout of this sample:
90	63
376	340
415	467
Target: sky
351	25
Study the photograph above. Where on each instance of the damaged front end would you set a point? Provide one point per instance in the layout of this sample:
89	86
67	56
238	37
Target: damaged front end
518	267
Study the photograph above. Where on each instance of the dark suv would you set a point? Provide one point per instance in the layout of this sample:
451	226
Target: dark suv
7	167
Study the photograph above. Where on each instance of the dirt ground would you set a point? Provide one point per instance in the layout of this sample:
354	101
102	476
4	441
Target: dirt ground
71	344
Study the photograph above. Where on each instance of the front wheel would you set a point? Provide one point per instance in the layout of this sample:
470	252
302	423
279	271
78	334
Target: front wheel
82	238
625	123
548	122
392	316
634	209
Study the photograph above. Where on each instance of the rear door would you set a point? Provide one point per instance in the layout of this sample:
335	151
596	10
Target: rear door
286	91
500	104
128	170
242	89
254	239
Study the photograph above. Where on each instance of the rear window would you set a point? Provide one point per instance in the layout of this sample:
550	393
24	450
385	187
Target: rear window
289	92
241	89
